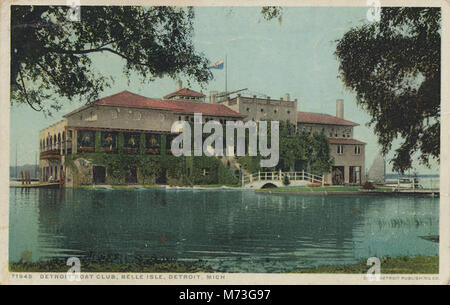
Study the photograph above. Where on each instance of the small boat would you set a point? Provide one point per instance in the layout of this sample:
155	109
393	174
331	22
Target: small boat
37	185
433	238
409	183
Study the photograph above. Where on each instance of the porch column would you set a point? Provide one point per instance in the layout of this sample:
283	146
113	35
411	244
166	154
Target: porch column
346	174
74	141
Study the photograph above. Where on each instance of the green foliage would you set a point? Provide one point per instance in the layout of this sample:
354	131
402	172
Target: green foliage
286	180
139	264
149	168
120	141
272	12
298	151
175	166
209	170
390	265
225	176
394	67
142	143
51	54
303	151
250	164
98	139
320	160
204	170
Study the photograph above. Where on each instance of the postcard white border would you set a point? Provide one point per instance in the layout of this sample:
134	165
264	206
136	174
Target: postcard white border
232	278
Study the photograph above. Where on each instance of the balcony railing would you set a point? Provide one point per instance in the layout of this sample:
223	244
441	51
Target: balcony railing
129	150
50	154
108	149
153	151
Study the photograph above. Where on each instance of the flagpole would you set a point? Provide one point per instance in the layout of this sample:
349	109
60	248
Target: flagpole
226	74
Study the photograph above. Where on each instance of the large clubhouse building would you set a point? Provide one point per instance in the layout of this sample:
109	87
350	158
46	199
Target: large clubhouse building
133	124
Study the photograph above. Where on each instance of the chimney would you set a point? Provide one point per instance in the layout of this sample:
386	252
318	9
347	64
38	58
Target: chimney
179	85
287	97
340	108
213	97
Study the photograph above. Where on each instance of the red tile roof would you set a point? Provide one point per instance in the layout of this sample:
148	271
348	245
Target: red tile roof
205	109
321	118
345	141
129	99
184	92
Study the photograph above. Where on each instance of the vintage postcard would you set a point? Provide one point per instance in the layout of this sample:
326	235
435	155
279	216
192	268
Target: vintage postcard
206	142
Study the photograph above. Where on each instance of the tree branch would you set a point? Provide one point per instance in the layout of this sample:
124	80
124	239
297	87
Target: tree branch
99	49
26	94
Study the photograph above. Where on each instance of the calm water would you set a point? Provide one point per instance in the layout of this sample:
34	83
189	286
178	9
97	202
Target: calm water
231	230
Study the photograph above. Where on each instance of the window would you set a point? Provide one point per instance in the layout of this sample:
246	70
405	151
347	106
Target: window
91	117
114	114
85	140
108	141
131	140
152	143
137	115
357	150
340	149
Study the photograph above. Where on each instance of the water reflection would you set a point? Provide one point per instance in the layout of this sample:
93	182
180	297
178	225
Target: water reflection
233	230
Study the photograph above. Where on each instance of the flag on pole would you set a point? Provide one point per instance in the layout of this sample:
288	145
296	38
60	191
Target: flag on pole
217	65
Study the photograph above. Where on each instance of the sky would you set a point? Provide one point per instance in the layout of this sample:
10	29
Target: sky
267	57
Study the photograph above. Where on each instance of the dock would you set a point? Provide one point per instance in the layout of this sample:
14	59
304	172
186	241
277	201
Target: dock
37	185
418	192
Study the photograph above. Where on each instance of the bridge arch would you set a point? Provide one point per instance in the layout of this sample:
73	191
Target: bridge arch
269	185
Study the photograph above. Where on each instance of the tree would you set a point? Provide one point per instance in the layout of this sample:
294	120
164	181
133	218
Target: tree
303	150
394	67
320	161
51	55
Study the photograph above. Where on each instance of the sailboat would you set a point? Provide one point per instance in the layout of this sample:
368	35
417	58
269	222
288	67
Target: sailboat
377	172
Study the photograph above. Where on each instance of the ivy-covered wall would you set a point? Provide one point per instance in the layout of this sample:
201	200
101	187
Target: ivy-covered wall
150	169
209	170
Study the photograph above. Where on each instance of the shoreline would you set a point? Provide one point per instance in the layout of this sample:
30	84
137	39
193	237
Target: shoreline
351	193
389	265
320	191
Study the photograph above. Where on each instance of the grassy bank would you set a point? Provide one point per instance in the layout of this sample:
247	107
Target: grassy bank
389	265
120	186
60	266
